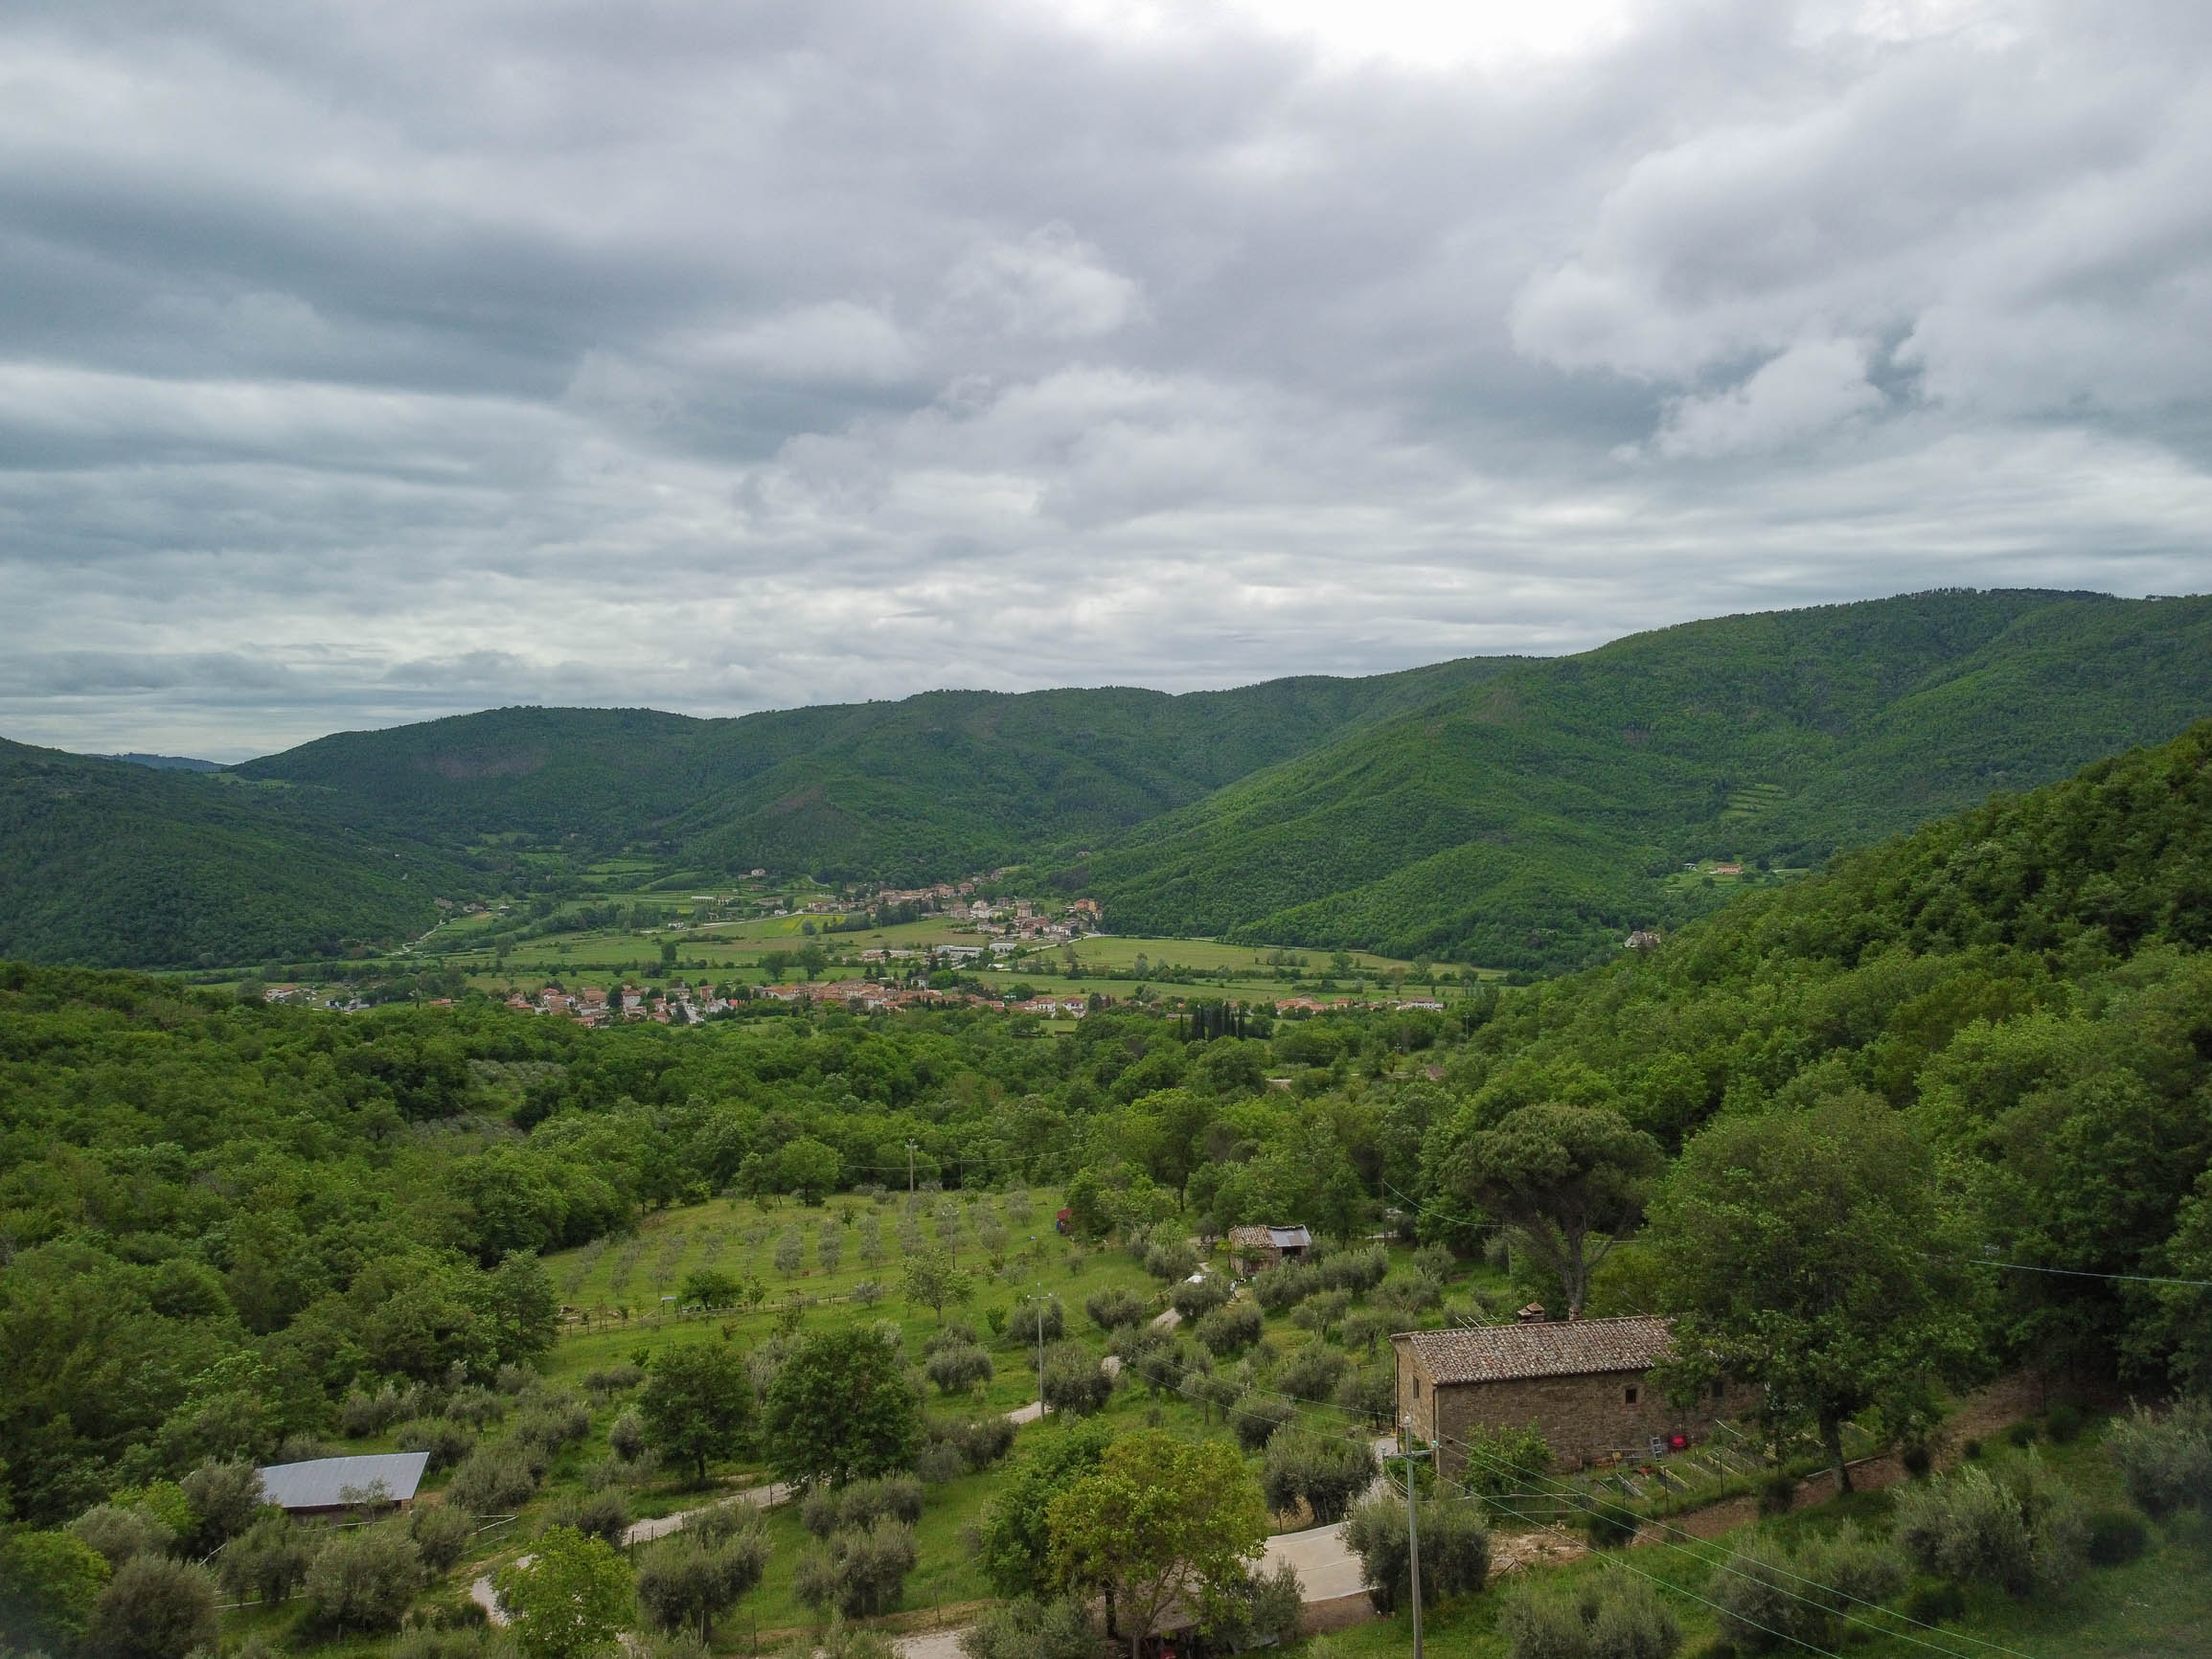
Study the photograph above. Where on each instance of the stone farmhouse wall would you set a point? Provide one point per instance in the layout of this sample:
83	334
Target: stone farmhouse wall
1584	1419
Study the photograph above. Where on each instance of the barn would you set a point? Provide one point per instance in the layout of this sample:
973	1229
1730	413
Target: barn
339	1485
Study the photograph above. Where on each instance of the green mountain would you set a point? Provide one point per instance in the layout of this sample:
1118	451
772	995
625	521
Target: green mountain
1519	811
106	862
938	785
1526	819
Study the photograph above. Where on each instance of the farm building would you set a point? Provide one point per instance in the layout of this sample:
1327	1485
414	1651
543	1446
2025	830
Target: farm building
339	1485
1252	1248
1584	1383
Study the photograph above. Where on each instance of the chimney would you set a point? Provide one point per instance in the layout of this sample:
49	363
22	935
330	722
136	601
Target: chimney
1532	1314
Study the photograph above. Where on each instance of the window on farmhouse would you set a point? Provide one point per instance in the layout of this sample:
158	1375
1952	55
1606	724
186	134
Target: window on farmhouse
1417	1388
1632	1397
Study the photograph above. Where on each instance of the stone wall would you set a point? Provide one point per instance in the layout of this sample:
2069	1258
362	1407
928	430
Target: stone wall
1583	1419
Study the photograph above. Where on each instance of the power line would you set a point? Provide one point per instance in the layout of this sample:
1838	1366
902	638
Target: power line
2083	1273
1732	1555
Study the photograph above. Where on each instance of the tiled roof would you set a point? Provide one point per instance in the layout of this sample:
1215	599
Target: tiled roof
1555	1348
1279	1237
323	1483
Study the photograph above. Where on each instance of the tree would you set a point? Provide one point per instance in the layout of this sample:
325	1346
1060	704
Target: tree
570	1599
810	1170
226	1497
710	1287
153	1609
791	1251
49	1584
1809	1252
270	1557
1568	1179
363	1577
813	959
1162	1521
1016	1541
525	1309
697	1404
690	1579
932	1282
1455	1550
859	1571
842	1408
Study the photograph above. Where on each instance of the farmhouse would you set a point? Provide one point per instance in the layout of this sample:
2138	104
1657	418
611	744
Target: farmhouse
337	1486
1252	1248
1584	1383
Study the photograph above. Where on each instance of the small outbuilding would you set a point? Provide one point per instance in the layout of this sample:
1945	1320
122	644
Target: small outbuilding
1585	1384
1252	1248
340	1486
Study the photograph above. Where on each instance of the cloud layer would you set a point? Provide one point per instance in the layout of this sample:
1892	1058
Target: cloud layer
361	363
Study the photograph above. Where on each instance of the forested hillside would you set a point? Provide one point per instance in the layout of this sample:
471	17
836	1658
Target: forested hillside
103	861
934	786
219	1218
1529	820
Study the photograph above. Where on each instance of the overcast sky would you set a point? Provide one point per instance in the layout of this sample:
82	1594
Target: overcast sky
361	362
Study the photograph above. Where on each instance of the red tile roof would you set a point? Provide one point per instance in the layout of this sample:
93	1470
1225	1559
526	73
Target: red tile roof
1555	1348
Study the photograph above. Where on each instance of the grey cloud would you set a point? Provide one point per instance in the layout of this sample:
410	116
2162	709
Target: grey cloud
429	356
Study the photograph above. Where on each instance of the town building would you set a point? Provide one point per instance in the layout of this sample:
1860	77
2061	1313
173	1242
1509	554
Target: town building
1585	1384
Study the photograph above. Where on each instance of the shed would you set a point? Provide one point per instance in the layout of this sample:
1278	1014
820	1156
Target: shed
1252	1248
1583	1383
334	1485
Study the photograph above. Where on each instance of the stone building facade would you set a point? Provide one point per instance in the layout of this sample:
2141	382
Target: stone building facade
1584	1383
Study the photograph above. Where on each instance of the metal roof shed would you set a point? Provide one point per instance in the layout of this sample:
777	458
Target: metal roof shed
327	1484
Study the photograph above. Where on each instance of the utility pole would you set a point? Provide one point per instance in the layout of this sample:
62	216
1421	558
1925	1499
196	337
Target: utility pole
1412	1531
910	1168
1037	1301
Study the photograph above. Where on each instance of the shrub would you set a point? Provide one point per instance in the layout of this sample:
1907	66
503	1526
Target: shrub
938	1461
496	1480
1325	1473
513	1378
1022	1325
981	1441
1278	1289
2116	1537
2166	1462
1231	1329
1256	1417
860	1572
1312	1371
480	1407
2020	1536
1455	1550
1933	1603
1114	1307
552	1422
601	1514
2063	1422
1355	1272
1504	1462
1322	1312
625	1436
153	1609
441	1534
959	1369
1918	1458
1607	1615
1768	1595
1170	1257
362	1579
603	1384
1262	1610
828	1510
266	1562
1074	1380
362	1415
446	1441
2021	1434
1027	1628
1607	1522
1194	1299
123	1535
1371	1394
1777	1493
226	1497
957	1333
689	1579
